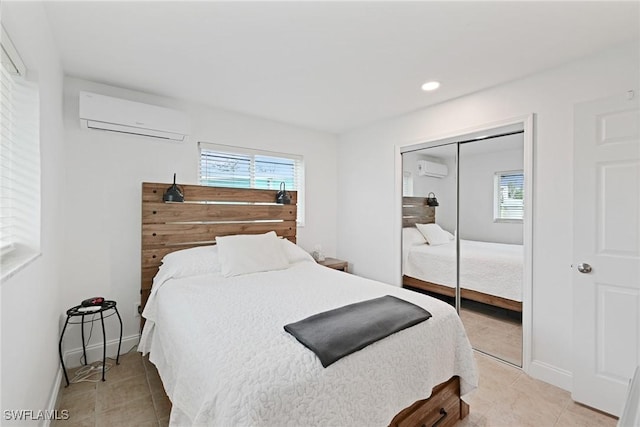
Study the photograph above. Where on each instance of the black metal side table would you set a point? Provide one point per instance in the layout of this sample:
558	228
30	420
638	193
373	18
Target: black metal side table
77	312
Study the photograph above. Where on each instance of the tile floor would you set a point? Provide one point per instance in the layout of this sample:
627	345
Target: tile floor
133	396
508	397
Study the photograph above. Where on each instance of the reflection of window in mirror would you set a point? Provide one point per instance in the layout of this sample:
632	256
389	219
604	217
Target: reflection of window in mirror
407	184
508	196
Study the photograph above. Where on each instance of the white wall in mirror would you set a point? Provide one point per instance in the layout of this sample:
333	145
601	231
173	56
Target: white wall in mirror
479	162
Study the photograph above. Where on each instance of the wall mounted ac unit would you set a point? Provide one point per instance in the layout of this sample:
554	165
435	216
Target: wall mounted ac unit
120	115
427	168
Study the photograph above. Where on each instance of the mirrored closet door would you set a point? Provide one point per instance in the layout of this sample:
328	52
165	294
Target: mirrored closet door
491	253
462	236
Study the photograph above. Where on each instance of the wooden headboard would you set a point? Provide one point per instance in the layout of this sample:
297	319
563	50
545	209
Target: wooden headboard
415	211
207	212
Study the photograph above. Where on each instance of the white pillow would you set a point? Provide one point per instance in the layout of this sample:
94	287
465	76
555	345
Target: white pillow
295	253
433	234
411	236
251	253
189	262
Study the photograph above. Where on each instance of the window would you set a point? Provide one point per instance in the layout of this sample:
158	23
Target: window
226	166
508	196
20	163
407	184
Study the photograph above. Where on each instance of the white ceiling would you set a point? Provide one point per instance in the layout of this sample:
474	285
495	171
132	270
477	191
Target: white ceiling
330	66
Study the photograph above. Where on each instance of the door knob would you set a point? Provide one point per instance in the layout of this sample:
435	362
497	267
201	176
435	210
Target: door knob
584	268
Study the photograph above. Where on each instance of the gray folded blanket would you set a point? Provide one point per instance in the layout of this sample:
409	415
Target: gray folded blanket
334	334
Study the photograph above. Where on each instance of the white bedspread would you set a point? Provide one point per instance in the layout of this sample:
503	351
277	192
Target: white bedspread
491	268
225	359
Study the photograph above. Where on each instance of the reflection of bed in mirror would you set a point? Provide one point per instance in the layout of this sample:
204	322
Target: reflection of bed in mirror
490	273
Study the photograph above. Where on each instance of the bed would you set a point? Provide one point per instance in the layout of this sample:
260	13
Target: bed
490	273
220	348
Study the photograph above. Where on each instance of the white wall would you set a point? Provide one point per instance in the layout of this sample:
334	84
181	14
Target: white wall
31	305
477	195
104	175
371	242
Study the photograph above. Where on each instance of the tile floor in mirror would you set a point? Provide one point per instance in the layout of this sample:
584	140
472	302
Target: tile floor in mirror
493	330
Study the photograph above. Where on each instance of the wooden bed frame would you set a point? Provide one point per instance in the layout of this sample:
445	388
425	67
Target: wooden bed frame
208	212
469	294
415	211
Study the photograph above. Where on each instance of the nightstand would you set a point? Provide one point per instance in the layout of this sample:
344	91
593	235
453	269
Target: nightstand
336	264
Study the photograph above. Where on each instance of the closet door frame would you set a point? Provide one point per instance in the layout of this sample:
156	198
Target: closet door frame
527	124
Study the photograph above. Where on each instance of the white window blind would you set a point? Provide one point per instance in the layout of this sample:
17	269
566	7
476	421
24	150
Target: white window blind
509	196
6	161
20	162
226	166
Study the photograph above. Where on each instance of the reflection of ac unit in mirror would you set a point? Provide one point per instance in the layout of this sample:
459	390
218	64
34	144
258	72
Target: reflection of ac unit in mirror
427	168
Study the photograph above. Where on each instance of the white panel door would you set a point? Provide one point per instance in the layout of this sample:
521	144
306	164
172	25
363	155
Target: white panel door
606	262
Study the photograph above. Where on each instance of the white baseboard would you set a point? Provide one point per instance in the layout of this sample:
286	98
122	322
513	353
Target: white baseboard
52	404
551	374
94	351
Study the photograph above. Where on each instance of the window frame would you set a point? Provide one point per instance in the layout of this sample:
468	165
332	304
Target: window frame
299	169
497	178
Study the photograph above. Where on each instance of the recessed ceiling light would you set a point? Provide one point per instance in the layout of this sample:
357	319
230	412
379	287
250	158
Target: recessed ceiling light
431	86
